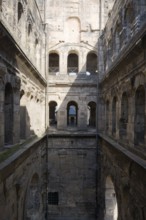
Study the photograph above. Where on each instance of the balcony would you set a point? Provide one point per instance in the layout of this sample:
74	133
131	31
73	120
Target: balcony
54	71
72	71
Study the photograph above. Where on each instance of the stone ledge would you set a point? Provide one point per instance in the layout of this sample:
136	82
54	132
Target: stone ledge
132	156
9	165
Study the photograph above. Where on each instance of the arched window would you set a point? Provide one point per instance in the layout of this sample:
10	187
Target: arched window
53	63
114	115
91	121
8	110
72	114
124	115
128	20
116	44
111	207
139	123
53	113
107	115
20	11
72	64
91	66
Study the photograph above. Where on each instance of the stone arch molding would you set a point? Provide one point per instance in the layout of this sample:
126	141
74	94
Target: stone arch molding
139	80
7	77
111	206
32	203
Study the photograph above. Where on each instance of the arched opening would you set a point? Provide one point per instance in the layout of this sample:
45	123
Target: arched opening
20	11
111	206
32	203
124	115
72	64
116	45
53	63
8	113
91	66
53	113
107	116
114	115
129	19
91	120
72	114
139	123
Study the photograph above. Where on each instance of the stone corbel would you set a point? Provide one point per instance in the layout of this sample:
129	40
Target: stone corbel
17	83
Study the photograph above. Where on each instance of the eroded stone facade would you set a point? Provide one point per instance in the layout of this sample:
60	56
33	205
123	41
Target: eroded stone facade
74	28
122	109
58	67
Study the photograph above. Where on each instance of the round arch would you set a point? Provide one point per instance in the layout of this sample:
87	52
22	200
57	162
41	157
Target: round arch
54	62
91	63
72	113
72	63
33	199
111	206
124	115
52	112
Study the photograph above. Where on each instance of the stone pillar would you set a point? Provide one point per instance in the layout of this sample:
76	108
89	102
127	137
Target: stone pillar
118	115
63	62
62	117
101	115
82	114
82	62
110	116
131	115
1	115
16	116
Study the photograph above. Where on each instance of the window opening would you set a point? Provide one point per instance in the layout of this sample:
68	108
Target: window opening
72	113
53	113
53	198
72	64
53	64
91	63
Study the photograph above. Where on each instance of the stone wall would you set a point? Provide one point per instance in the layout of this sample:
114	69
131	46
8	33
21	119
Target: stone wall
22	80
122	111
122	90
123	196
23	21
23	183
72	174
